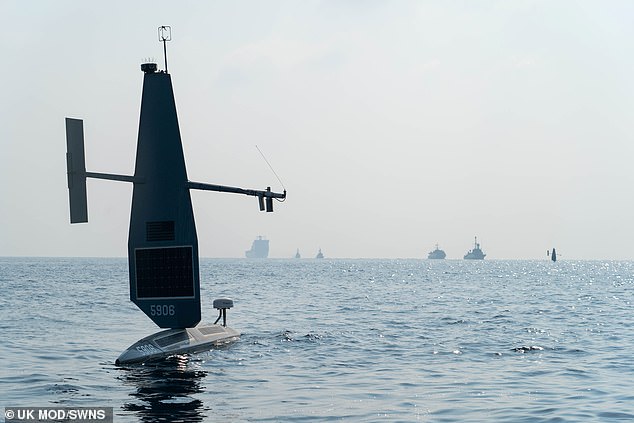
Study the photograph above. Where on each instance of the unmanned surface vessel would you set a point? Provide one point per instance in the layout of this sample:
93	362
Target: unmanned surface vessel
162	240
181	341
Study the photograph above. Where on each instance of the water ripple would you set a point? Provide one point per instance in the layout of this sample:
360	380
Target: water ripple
353	340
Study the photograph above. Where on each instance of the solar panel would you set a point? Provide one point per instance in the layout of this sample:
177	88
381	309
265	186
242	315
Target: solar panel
164	272
172	339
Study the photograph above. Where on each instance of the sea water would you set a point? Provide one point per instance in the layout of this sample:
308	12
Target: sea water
324	340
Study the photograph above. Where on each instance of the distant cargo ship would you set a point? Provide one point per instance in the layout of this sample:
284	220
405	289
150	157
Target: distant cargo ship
259	249
320	254
476	253
437	254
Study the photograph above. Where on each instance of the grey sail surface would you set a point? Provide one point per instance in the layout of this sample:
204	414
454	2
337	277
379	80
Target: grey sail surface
162	242
76	170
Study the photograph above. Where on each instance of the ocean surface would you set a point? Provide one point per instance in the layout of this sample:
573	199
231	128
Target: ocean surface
326	340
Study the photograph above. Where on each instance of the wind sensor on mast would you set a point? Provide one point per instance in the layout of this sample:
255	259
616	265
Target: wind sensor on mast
165	35
162	241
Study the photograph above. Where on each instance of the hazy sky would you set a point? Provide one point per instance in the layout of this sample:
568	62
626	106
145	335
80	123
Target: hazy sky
394	125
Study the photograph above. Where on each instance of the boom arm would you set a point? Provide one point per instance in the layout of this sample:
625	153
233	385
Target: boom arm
76	171
263	196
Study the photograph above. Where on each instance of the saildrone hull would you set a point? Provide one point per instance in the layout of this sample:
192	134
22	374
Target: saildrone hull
178	341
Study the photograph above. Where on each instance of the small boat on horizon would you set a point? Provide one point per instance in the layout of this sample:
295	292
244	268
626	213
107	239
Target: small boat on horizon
476	253
437	254
297	255
319	255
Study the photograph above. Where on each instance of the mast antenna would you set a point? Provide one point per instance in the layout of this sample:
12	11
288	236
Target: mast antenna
272	170
165	35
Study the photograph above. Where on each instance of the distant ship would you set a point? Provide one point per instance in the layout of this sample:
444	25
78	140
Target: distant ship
259	249
319	254
476	253
437	254
553	257
297	255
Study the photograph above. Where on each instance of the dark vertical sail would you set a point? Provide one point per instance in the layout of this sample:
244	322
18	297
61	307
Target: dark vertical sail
162	242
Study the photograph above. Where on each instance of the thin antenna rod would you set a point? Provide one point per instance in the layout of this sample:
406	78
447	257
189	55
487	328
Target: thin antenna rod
165	35
271	167
165	54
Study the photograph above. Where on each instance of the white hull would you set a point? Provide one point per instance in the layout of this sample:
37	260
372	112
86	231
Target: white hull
178	341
